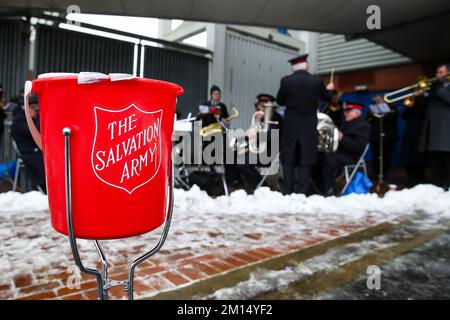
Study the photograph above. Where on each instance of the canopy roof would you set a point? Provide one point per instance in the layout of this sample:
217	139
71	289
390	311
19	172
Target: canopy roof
419	29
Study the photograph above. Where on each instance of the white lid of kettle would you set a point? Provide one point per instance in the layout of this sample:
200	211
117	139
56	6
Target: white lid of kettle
88	77
56	74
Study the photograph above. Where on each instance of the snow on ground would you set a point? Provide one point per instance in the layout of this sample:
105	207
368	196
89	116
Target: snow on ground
201	222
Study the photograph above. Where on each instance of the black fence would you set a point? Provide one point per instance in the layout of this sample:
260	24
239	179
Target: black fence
189	71
59	50
14	35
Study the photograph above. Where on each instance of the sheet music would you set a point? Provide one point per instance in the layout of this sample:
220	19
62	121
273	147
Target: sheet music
203	109
381	108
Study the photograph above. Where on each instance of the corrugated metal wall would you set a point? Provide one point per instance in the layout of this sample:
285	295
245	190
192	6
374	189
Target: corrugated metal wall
189	71
14	36
252	66
59	50
334	52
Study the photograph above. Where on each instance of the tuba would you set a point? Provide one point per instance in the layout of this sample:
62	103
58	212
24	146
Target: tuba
328	135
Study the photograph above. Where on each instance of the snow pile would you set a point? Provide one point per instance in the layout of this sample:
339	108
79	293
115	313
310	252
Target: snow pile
18	202
422	198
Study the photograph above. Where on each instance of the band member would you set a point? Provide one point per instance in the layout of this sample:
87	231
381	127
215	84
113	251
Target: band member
300	93
354	135
30	153
216	108
334	109
435	137
413	160
247	171
390	136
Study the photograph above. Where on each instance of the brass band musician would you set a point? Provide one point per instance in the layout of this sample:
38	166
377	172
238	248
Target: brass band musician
214	108
435	138
300	93
243	170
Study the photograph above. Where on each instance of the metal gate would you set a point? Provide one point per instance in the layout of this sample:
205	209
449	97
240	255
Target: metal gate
59	50
14	36
188	70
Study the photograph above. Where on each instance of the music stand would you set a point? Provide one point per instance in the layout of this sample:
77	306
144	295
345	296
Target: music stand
380	111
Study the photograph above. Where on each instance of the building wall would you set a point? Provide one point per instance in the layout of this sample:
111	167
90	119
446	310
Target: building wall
379	79
333	51
252	66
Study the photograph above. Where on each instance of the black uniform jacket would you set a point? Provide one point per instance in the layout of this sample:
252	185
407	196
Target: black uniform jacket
356	135
300	92
435	132
21	134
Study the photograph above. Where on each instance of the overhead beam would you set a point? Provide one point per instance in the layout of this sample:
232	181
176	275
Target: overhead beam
186	30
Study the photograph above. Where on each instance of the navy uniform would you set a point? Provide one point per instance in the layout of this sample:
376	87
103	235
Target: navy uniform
435	138
30	153
355	136
300	92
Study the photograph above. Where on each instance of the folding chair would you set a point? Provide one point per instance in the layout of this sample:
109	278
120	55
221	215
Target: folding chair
20	165
350	170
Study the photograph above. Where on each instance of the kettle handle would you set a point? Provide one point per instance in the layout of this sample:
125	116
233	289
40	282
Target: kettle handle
34	131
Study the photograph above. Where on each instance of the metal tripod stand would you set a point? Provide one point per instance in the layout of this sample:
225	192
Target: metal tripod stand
104	283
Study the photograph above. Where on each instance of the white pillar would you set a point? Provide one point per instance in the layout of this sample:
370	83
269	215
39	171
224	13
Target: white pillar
165	26
216	43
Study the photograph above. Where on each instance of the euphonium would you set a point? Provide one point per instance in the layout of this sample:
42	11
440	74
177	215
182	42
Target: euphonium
258	125
257	128
328	134
220	125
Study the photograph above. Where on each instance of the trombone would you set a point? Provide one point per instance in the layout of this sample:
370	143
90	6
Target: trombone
409	93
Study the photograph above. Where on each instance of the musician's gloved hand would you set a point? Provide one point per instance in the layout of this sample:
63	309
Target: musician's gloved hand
330	86
259	116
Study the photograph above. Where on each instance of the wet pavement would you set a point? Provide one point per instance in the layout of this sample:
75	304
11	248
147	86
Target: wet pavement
422	273
413	258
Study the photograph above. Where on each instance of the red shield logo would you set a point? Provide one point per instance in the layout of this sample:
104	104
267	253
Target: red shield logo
126	152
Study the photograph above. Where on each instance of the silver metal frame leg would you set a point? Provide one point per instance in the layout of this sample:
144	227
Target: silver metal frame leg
225	187
104	283
16	174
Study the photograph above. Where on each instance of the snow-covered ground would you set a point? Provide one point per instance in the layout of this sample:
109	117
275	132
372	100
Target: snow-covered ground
199	222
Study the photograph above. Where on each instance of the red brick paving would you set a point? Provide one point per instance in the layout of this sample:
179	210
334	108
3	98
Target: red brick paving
176	278
169	269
